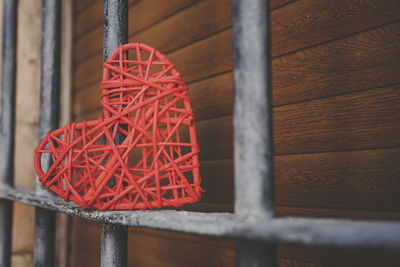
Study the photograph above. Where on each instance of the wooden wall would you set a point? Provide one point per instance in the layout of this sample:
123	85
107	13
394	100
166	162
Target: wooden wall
336	89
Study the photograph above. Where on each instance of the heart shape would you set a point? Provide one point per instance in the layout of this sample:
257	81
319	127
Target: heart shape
142	153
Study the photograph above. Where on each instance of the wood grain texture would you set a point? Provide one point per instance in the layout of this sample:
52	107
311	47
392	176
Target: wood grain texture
210	98
141	15
189	250
295	26
361	120
90	16
308	22
338	213
81	4
87	101
275	4
147	12
366	180
185	252
215	138
85	243
88	19
188	26
358	62
217	181
354	184
204	58
88	73
195	62
282	262
363	179
204	240
90	44
336	257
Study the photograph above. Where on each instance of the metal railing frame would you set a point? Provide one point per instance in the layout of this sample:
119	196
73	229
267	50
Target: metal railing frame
253	224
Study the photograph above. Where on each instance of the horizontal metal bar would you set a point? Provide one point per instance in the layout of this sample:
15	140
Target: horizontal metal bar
382	235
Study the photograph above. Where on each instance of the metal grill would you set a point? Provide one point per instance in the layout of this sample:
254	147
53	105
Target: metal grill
253	224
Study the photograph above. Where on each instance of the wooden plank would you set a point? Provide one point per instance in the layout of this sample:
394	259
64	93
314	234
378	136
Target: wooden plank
168	249
204	240
147	12
365	179
362	61
275	4
360	120
81	4
309	22
88	73
93	115
282	262
355	63
87	101
215	138
296	26
338	213
211	98
90	44
204	58
194	61
88	19
335	257
366	182
85	243
192	24
175	252
217	181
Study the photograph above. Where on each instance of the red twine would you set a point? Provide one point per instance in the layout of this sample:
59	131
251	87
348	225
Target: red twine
145	105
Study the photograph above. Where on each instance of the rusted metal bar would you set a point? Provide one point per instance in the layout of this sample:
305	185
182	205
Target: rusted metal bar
7	124
254	181
48	120
114	238
113	245
340	233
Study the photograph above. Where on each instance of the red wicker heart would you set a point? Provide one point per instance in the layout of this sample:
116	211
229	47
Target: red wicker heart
146	105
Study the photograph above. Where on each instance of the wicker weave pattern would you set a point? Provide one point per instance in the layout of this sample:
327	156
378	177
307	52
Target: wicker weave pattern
155	163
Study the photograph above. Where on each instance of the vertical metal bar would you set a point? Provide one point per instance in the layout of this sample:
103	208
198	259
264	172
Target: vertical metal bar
48	121
254	192
7	124
115	26
113	245
114	238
